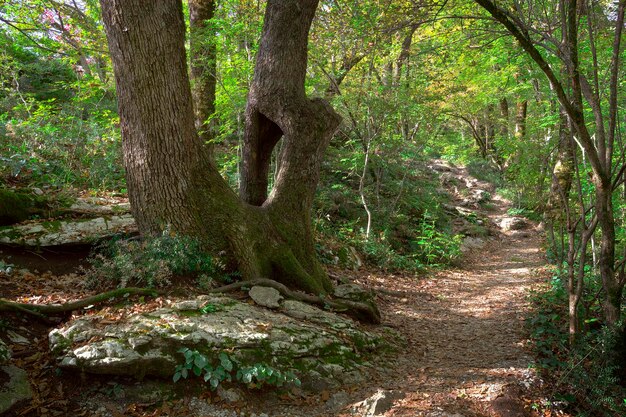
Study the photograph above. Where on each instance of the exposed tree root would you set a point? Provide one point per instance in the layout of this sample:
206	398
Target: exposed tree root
41	310
360	310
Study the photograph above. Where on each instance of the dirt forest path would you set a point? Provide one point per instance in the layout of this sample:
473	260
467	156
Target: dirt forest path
464	327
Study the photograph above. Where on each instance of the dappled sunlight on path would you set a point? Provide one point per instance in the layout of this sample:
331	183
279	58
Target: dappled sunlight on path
465	331
465	349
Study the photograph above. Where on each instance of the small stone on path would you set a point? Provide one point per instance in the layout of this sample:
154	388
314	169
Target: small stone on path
378	404
265	296
337	401
513	223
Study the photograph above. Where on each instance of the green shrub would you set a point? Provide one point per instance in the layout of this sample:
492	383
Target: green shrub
433	247
151	262
381	254
583	376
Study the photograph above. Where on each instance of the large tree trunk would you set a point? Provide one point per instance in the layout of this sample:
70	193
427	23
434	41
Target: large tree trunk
611	281
203	66
173	183
278	108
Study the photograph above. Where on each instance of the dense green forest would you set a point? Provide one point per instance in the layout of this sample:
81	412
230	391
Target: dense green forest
295	140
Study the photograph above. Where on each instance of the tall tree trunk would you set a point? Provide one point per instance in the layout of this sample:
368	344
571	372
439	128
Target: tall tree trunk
174	185
562	173
203	66
504	118
611	282
278	108
403	57
520	119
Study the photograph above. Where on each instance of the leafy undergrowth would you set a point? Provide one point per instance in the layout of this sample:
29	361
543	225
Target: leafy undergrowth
582	379
153	262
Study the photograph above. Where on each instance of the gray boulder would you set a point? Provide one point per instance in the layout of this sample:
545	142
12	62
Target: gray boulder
378	404
353	292
470	243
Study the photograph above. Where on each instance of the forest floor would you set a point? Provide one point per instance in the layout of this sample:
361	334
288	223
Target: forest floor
463	353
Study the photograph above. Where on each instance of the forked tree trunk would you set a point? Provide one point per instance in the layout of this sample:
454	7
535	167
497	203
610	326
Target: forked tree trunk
278	109
173	183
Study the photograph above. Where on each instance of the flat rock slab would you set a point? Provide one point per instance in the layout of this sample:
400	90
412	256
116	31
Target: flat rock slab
301	337
64	232
99	206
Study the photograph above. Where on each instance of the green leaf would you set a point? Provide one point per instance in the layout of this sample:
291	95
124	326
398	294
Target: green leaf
176	377
226	362
200	361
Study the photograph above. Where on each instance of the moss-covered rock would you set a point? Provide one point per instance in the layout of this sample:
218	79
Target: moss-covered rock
302	338
64	232
17	206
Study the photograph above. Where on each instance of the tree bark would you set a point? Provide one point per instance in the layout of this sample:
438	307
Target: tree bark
562	172
203	66
173	183
403	57
278	108
504	118
520	119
